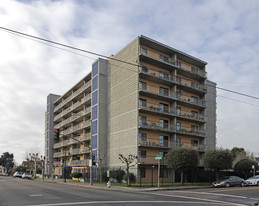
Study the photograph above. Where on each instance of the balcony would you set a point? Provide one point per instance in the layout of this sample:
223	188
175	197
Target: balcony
162	77
154	125
190	131
166	94
182	67
167	144
73	163
166	111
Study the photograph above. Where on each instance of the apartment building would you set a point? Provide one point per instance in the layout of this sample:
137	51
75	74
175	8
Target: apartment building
146	100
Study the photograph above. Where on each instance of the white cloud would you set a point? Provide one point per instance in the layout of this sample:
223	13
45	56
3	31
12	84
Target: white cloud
222	33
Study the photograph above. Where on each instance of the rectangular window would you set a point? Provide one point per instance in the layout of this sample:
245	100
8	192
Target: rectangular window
194	84
194	70
143	153
194	99
178	111
163	172
194	128
194	143
142	172
95	97
94	83
178	125
144	69
178	79
95	68
163	107
163	75
163	123
143	51
142	85
163	91
142	136
142	103
94	112
163	58
178	141
179	64
163	141
143	121
194	114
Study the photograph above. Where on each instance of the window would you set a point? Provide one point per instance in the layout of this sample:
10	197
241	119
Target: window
163	107
194	70
194	114
163	123
163	58
178	125
163	172
143	120
142	172
178	111
142	136
178	141
142	103
143	50
178	79
194	143
194	128
143	153
179	64
163	75
194	99
142	85
163	141
144	69
194	84
163	91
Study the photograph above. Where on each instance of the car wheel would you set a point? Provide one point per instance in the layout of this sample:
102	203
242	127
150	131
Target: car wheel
242	184
258	183
227	184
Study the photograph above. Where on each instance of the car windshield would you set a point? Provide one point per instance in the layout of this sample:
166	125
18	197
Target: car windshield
254	177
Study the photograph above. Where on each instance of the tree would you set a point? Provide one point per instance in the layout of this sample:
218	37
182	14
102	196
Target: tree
218	159
118	175
182	158
244	167
235	151
129	161
21	169
7	161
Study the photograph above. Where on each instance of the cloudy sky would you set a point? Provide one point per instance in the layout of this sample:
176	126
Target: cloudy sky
224	33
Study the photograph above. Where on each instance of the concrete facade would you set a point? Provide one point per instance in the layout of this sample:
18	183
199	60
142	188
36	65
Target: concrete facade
146	100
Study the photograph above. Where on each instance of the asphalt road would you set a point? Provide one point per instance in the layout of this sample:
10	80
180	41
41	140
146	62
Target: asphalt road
29	192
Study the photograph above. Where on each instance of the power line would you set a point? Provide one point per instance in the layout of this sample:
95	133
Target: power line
104	56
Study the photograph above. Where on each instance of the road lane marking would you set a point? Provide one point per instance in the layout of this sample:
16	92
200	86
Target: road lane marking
35	195
208	193
197	198
127	202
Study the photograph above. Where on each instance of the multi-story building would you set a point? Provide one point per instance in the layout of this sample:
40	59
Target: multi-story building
146	100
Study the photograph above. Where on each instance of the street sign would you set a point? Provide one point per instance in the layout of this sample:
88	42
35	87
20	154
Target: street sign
159	157
90	163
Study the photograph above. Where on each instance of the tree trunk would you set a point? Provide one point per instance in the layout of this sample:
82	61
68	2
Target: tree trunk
182	177
128	180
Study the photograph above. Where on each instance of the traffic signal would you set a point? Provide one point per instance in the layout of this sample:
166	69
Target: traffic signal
93	156
56	134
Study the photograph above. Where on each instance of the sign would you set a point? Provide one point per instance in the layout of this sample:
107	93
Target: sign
108	173
159	157
253	167
90	163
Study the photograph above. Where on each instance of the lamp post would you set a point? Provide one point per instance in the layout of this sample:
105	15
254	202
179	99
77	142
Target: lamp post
152	175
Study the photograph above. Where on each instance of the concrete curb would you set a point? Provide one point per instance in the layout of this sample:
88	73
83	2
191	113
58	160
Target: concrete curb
126	188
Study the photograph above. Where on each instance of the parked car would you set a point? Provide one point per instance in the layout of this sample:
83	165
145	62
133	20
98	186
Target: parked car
229	181
26	175
17	174
253	180
4	174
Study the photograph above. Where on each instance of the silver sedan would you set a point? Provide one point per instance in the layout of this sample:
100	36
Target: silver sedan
253	180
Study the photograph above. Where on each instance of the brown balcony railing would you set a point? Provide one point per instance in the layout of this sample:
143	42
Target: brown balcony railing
174	79
154	125
168	60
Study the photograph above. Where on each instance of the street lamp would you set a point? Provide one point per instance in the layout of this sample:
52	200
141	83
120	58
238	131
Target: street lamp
152	175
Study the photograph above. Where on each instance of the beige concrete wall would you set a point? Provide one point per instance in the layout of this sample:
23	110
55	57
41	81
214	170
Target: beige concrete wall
123	105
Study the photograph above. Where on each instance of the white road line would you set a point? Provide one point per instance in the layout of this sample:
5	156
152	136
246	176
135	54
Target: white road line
197	198
120	202
35	195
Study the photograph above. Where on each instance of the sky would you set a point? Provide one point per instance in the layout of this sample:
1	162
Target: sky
224	33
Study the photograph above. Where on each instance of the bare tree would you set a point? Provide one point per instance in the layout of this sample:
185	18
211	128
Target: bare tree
129	162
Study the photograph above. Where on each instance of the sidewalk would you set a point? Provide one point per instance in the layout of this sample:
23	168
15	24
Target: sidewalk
121	188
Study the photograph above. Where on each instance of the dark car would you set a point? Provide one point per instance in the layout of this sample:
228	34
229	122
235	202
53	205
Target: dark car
229	181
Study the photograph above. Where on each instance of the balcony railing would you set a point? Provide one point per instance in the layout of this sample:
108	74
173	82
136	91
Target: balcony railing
175	129
162	92
168	60
72	163
162	143
174	79
166	110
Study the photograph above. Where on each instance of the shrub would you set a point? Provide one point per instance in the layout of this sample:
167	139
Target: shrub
76	174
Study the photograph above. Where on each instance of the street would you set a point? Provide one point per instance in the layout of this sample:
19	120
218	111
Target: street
30	192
